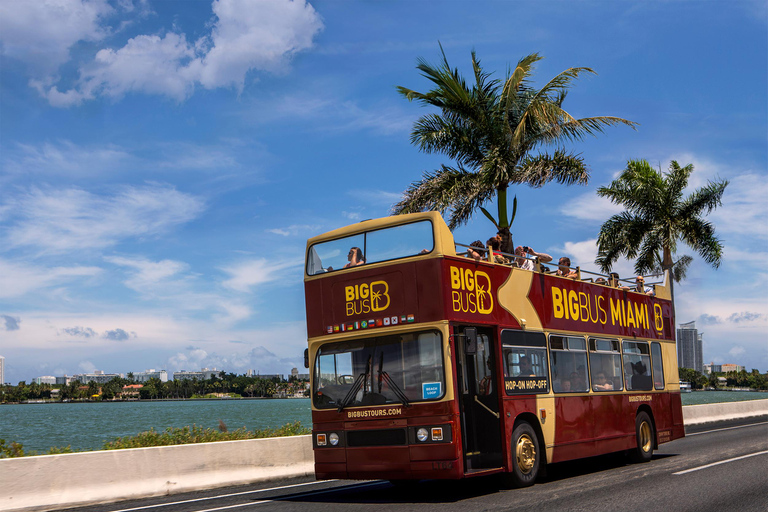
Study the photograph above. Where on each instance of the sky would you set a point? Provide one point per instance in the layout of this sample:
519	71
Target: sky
162	163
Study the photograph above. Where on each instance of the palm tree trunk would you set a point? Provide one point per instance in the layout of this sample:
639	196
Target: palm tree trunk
666	266
507	245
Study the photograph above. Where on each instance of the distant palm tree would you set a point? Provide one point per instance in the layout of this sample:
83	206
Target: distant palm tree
491	130
657	217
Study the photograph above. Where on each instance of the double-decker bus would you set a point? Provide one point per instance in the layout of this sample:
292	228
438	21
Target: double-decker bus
427	364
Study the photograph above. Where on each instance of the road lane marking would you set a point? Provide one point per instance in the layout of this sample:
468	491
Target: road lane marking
283	498
727	428
221	496
721	462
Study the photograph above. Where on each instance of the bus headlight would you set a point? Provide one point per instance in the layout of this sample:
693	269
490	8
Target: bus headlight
321	440
333	438
422	434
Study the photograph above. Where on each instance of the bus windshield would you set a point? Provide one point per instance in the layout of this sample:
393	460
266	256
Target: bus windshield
371	247
399	368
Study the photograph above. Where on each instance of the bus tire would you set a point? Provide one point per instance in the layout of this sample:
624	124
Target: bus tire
526	456
644	437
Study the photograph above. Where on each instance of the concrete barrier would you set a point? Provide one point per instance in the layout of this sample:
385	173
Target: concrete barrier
705	413
51	482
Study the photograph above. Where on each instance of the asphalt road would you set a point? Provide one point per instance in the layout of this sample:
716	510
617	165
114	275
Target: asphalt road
717	466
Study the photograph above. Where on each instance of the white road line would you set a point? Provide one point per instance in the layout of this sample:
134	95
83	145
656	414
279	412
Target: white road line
721	462
727	428
221	496
227	507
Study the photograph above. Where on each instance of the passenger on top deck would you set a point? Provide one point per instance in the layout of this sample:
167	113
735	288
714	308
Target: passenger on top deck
521	251
476	254
640	286
563	268
495	244
355	257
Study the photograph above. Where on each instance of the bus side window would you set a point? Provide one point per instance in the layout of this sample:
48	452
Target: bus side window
658	366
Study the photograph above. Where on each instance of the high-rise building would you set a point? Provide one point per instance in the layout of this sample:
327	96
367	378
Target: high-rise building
2	370
725	368
689	347
150	374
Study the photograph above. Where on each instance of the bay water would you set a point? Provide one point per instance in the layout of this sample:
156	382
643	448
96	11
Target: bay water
87	426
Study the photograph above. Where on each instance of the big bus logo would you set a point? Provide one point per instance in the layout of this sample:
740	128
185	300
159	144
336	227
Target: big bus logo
658	318
471	291
366	297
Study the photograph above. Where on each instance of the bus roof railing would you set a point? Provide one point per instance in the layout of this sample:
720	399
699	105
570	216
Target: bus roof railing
489	253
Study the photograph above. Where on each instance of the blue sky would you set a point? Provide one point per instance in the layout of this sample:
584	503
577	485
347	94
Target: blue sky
162	163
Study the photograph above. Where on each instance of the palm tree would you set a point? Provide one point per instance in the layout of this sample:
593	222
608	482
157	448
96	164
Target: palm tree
657	217
491	130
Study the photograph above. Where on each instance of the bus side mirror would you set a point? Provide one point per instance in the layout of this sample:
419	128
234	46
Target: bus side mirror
306	358
471	340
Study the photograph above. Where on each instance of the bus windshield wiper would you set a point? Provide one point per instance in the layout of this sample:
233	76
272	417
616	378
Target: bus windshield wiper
359	382
384	376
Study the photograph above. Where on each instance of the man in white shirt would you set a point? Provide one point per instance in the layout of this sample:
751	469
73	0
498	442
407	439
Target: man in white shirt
521	251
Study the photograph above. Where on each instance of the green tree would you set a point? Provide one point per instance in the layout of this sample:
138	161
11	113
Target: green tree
494	131
657	217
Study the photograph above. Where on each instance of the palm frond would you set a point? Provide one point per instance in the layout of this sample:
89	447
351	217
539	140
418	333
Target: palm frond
538	170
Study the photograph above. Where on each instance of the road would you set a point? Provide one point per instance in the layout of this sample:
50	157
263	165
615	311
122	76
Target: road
717	466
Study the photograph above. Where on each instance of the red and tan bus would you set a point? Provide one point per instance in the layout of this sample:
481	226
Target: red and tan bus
426	364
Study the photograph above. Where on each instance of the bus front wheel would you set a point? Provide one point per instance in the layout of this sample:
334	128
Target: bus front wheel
526	456
644	436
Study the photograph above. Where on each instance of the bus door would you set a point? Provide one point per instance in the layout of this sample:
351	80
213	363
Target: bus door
479	398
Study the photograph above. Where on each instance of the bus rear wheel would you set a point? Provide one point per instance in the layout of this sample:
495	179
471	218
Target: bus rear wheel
526	457
644	437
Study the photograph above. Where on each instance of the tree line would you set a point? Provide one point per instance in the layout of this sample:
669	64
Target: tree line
224	383
742	379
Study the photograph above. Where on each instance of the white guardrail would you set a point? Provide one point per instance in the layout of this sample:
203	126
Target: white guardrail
52	482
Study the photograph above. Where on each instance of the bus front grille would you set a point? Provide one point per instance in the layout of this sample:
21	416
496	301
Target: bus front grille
388	437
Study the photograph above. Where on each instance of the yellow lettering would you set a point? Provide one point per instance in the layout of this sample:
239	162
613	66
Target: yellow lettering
640	317
350	308
349	291
616	312
363	291
573	304
630	316
469	280
584	305
456	297
601	309
455	279
557	302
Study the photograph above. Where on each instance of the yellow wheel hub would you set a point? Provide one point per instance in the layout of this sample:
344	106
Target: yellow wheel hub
645	437
525	452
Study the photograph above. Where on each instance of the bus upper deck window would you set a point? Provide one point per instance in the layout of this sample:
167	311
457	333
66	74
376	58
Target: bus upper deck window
385	244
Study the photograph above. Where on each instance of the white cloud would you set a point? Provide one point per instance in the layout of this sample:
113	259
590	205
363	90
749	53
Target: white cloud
73	219
744	208
65	159
246	36
252	273
18	279
148	274
589	207
260	36
41	32
294	230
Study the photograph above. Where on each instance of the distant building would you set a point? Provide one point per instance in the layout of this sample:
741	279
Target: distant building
63	380
151	374
2	370
731	368
689	347
46	379
203	374
131	391
97	376
712	368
